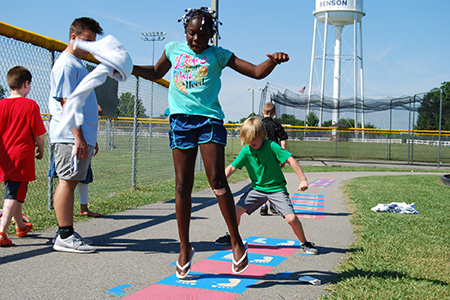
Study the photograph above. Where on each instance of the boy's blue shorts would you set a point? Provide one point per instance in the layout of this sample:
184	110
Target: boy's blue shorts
188	131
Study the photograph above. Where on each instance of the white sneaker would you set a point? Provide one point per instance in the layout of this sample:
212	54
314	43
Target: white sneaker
77	235
72	244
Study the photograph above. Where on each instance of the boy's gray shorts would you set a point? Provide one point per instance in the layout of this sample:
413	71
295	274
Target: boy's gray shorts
63	153
253	199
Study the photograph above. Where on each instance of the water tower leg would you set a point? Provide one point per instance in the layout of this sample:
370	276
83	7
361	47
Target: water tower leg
337	75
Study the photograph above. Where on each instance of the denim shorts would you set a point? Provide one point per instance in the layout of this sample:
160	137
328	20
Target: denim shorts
188	131
15	190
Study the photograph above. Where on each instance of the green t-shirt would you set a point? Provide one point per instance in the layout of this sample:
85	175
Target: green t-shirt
263	166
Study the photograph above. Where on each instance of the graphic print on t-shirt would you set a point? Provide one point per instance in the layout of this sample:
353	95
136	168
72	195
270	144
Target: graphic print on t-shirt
190	72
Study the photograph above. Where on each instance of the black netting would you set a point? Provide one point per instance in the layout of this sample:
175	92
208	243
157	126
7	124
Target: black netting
288	98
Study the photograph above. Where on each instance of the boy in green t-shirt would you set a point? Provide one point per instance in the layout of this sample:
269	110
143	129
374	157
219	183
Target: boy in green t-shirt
262	159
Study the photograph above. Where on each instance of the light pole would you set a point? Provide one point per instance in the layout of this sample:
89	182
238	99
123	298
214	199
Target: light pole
253	99
153	37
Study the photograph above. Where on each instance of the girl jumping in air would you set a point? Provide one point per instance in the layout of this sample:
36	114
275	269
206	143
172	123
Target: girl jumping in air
196	120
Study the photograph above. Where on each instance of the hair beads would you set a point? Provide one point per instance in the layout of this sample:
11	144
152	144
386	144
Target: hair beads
205	13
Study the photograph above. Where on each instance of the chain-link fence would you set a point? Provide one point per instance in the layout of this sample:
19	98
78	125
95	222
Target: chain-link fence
134	152
399	140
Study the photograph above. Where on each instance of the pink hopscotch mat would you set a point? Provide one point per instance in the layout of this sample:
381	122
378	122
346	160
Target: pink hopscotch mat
164	292
212	278
322	183
309	206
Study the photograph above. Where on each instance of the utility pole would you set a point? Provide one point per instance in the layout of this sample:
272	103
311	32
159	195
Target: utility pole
215	7
152	37
253	99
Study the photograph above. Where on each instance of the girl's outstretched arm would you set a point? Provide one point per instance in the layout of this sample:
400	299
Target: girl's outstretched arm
155	72
257	71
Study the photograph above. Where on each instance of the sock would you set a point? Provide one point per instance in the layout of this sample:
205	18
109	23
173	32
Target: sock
65	232
83	191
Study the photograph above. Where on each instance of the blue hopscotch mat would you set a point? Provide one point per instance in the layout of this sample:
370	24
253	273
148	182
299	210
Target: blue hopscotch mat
322	183
262	255
309	206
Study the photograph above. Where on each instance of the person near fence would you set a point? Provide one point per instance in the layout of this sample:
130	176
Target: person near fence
196	119
276	133
21	140
262	158
82	186
75	148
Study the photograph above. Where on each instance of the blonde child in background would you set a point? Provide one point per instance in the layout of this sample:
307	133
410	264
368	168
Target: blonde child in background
276	133
263	158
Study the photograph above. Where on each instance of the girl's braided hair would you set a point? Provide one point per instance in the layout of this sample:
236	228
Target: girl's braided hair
206	14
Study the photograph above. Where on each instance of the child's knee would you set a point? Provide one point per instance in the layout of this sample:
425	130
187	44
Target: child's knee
240	210
291	218
220	192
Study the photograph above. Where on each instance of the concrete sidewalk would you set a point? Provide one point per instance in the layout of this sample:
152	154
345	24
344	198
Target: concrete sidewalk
135	249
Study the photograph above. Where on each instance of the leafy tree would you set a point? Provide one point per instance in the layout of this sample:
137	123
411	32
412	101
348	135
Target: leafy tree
2	92
289	119
125	106
245	118
428	118
368	125
312	119
349	122
327	123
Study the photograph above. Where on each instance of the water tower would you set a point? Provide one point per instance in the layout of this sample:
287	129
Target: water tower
339	14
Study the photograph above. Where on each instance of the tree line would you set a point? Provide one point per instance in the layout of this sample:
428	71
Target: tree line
428	111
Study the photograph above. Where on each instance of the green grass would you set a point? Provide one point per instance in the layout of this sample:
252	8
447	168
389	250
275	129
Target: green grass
128	198
397	256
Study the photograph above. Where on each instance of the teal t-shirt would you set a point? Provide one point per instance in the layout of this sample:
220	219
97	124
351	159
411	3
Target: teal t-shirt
195	79
263	166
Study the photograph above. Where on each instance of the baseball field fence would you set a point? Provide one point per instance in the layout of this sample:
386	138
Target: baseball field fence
134	151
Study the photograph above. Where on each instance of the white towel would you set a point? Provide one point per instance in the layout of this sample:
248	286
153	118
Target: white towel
112	56
396	207
109	51
73	160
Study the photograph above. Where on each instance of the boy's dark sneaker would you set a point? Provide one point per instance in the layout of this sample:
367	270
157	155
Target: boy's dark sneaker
273	210
264	210
224	240
309	248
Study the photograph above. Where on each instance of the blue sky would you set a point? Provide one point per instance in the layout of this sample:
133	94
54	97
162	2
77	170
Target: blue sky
405	43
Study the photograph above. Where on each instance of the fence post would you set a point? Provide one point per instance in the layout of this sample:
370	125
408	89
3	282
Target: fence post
413	122
108	135
133	172
409	131
390	131
50	151
440	127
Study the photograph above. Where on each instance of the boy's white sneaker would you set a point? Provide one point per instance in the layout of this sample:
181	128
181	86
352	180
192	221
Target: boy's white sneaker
72	244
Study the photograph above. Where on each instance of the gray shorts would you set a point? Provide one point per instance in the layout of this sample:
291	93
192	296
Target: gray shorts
253	199
63	153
